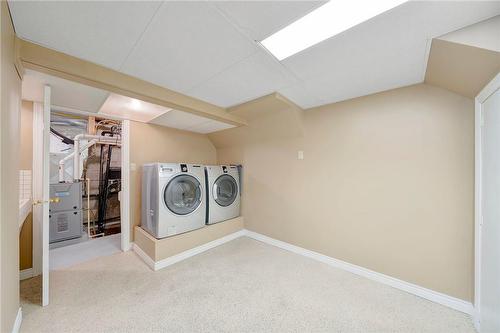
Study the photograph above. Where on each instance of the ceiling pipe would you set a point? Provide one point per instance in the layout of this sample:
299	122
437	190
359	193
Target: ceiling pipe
70	156
99	139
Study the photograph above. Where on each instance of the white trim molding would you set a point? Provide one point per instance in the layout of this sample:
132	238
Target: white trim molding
147	259
37	186
431	295
483	95
26	274
186	254
19	320
125	187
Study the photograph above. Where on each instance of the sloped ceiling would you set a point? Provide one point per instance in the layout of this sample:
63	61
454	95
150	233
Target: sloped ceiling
464	61
484	35
210	50
461	68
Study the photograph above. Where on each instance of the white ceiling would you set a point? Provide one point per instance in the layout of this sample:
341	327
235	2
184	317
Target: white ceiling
189	122
131	108
75	97
64	93
485	35
208	49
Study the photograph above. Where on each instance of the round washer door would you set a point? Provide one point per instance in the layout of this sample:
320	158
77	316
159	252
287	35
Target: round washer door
225	190
182	194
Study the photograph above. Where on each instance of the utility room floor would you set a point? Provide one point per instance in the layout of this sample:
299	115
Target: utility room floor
241	286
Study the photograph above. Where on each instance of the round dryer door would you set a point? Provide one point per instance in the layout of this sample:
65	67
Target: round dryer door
225	190
182	194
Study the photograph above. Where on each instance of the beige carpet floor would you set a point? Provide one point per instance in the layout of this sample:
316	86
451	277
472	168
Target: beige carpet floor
241	286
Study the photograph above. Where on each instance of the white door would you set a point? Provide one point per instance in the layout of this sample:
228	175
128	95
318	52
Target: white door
45	196
489	300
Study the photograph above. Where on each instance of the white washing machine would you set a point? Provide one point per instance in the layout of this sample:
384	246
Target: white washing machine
223	193
173	198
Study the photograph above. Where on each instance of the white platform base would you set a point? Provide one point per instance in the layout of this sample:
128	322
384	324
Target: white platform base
431	295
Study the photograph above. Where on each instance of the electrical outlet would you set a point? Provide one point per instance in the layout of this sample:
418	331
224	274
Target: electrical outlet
300	154
133	166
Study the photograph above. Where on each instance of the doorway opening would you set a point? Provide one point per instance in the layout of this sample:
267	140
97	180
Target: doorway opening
85	182
75	181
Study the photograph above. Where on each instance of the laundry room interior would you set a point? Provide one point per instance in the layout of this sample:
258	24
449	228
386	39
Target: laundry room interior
287	190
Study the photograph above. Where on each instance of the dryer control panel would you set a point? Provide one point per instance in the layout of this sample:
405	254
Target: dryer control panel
165	170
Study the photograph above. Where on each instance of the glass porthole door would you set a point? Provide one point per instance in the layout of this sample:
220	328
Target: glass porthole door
182	194
225	190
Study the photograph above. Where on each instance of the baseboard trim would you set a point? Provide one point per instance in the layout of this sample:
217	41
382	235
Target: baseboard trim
19	320
26	274
431	295
147	259
186	254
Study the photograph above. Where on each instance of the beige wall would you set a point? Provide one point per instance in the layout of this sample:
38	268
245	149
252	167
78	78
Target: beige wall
26	163
386	183
152	143
10	99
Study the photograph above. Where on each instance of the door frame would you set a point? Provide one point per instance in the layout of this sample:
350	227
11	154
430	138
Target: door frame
487	91
126	244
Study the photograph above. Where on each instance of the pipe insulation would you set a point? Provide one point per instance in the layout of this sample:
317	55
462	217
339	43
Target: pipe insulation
62	162
115	141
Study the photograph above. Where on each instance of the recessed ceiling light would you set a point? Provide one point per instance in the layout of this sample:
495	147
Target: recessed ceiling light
131	108
135	104
324	22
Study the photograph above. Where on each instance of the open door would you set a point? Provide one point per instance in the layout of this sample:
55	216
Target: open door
46	199
41	160
41	193
487	291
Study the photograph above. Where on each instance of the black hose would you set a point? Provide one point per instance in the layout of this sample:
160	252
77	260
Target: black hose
64	138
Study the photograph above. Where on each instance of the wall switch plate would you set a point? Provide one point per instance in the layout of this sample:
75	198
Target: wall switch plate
300	154
133	166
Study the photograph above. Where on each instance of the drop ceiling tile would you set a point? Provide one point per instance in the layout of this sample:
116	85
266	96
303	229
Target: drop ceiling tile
385	52
331	90
210	127
301	94
251	78
259	19
64	93
131	108
103	32
179	119
185	44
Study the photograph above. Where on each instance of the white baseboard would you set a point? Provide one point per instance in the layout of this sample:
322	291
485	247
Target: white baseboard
431	295
186	254
26	274
147	259
477	323
17	323
127	246
428	294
